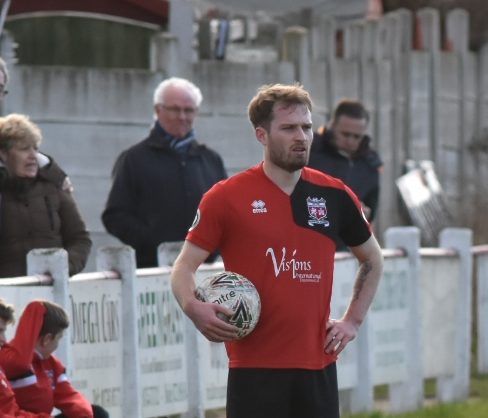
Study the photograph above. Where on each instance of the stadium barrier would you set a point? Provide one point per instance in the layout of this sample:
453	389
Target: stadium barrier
480	258
131	349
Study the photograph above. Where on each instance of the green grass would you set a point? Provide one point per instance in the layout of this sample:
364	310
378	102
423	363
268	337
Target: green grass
475	407
479	386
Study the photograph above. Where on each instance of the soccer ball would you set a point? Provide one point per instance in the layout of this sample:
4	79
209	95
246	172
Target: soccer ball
235	292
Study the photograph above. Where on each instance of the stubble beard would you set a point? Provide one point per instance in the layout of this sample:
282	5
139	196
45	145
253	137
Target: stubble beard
287	164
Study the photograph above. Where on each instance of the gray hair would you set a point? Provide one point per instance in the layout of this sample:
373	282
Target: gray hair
182	83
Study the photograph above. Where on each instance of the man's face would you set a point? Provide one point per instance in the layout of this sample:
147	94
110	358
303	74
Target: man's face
3	329
177	112
287	141
348	133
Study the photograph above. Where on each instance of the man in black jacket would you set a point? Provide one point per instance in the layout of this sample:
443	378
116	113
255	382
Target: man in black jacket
343	150
158	183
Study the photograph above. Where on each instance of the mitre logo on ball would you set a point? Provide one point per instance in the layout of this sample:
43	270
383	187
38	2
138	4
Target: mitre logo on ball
235	292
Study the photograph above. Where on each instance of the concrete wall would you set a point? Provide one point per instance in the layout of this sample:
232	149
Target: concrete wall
88	116
425	104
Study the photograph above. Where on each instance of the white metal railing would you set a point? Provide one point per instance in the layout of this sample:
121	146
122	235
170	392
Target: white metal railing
127	326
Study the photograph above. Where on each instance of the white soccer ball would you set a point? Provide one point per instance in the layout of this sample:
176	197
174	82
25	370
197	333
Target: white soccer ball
235	292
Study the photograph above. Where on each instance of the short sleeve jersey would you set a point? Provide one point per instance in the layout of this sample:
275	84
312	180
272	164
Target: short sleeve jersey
285	244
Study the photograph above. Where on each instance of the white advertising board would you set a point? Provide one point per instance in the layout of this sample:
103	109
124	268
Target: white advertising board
214	360
440	294
482	317
162	351
97	348
215	371
20	296
389	323
347	365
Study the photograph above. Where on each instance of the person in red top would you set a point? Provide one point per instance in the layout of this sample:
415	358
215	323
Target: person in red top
278	224
8	404
38	378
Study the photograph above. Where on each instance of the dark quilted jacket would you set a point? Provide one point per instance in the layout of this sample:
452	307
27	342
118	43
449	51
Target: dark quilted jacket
37	213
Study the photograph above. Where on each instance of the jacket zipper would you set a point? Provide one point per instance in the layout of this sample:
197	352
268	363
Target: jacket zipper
49	211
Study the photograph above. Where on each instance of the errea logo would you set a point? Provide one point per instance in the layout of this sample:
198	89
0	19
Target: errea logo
258	206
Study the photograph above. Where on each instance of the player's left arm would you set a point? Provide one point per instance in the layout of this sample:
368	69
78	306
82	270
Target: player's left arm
340	332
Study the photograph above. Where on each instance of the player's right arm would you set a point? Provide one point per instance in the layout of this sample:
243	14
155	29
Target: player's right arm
203	315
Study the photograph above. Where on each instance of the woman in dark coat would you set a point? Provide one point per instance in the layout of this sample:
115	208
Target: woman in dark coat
36	210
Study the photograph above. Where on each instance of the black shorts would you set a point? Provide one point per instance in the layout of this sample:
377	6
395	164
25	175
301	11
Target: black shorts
282	393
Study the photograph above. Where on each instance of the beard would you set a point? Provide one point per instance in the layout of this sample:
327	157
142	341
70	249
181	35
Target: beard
289	164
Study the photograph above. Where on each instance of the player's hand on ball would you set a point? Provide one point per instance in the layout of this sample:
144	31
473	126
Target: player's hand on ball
339	334
235	292
207	317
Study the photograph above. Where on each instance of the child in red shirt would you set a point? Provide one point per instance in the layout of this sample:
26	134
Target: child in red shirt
38	378
8	404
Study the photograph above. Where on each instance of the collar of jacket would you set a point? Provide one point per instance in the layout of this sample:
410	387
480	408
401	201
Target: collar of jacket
49	171
52	172
157	140
326	141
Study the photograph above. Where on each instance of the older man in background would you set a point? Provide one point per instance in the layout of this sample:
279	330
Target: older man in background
158	183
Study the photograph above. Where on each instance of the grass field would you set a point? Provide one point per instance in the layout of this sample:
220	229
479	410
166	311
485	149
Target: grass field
475	407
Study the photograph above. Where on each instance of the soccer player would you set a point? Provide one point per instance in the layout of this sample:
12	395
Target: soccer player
278	224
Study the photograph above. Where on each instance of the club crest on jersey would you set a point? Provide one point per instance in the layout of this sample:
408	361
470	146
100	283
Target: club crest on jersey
317	211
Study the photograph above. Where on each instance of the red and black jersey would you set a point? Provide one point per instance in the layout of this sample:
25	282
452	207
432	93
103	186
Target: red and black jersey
285	244
39	384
